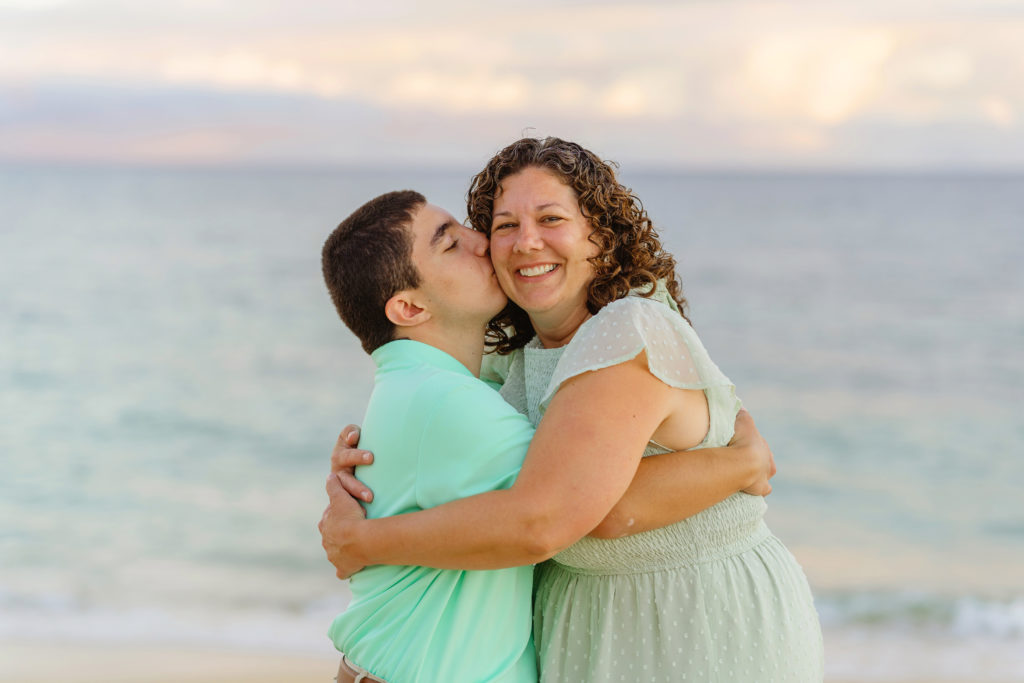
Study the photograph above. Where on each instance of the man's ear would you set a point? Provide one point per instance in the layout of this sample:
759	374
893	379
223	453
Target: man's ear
403	310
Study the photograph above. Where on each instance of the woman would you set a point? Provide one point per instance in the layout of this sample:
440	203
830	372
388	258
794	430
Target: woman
595	329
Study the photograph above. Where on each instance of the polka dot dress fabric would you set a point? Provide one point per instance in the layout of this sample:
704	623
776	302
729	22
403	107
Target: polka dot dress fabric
713	598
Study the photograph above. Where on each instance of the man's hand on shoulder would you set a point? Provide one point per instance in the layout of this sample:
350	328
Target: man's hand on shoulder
338	527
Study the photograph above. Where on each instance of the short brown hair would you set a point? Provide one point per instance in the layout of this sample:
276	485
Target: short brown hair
367	259
631	255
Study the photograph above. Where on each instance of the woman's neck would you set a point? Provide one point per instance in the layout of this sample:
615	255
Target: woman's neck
556	330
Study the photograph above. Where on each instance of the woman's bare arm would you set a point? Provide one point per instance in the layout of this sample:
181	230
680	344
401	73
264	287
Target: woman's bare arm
666	489
670	487
561	493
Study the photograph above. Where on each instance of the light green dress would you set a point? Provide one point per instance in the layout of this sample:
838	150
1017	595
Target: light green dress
715	597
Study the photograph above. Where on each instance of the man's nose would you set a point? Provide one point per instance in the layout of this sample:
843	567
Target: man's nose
478	242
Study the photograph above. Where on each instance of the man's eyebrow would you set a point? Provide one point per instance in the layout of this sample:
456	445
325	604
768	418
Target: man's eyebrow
439	233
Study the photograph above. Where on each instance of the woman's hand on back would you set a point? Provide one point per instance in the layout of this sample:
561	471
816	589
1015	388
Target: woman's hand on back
337	527
345	458
344	511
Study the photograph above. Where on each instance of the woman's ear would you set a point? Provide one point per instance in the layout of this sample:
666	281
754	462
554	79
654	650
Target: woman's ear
402	310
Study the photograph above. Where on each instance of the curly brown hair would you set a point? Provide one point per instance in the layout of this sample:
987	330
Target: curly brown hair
631	256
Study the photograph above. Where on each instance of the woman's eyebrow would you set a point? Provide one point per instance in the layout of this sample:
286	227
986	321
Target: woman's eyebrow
540	207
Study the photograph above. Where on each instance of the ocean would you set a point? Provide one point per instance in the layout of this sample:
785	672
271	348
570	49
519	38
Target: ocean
173	377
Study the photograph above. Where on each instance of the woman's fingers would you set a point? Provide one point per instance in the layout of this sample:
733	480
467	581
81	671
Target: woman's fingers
353	486
335	526
350	435
341	500
345	453
345	458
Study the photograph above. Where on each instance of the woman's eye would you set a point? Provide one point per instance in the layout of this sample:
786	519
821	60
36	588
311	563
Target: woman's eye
454	244
550	219
502	226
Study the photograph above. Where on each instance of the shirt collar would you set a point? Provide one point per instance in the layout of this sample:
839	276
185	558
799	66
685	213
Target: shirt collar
409	351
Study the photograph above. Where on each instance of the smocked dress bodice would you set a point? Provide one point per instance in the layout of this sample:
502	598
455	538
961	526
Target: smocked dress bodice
707	534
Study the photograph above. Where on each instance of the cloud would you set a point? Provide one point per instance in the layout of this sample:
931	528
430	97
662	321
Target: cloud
820	76
772	80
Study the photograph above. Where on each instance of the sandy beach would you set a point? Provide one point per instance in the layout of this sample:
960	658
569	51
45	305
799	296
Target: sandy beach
28	662
22	662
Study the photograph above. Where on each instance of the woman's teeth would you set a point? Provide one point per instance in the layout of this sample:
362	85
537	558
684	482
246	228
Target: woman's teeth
537	270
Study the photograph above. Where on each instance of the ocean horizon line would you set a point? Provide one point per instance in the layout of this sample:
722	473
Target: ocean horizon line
625	168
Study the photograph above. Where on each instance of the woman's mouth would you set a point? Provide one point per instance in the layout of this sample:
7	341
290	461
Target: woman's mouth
537	271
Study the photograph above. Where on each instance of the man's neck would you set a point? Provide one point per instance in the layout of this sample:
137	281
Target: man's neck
464	345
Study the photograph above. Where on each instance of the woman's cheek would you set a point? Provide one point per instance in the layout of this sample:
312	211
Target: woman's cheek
499	252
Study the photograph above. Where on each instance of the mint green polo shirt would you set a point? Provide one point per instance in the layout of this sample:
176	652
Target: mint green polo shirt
437	434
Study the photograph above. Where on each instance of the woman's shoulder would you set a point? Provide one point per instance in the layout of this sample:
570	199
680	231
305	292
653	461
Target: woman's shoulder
633	301
621	330
637	312
624	328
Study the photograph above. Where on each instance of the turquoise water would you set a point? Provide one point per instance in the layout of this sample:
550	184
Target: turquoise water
172	378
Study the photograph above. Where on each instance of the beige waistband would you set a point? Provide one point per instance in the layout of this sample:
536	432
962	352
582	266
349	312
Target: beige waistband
351	673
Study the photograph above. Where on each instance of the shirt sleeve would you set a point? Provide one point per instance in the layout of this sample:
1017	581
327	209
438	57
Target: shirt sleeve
473	442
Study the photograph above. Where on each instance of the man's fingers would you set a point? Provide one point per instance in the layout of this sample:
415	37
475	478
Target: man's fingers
743	427
762	488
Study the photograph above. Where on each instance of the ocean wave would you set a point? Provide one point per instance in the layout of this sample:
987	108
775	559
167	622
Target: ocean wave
931	614
250	629
868	636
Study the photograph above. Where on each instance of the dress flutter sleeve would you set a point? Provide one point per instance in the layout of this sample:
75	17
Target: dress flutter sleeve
494	369
624	328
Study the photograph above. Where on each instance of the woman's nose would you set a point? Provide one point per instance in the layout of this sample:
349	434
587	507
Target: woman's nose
528	238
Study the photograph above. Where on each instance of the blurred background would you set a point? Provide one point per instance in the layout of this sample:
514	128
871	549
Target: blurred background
842	183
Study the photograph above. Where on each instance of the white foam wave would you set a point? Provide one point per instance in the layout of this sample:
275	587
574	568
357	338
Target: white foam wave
911	612
870	637
249	629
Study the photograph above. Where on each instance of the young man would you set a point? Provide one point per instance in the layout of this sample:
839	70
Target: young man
418	289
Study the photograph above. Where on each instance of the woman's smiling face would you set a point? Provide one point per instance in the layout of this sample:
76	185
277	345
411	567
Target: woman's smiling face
540	247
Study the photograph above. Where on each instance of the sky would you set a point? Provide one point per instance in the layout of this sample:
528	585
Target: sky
802	84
